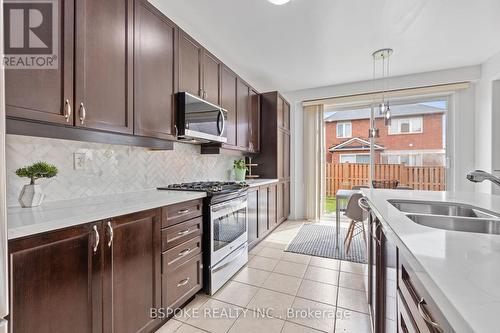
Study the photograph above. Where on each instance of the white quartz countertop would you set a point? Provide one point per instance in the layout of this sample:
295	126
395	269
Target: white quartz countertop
460	270
260	182
61	214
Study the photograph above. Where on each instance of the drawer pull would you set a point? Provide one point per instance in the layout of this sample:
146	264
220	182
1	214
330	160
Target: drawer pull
183	282
184	252
426	317
183	232
183	211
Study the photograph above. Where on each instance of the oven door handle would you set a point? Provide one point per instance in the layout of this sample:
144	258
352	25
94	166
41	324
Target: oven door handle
227	210
236	255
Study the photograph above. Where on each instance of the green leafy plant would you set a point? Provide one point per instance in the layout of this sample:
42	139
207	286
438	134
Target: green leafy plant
240	164
37	171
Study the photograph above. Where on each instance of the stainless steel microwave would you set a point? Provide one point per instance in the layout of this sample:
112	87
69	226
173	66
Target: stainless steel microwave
198	120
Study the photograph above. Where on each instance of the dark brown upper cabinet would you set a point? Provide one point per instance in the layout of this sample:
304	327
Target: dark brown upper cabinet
154	72
211	78
104	66
274	157
228	102
190	63
242	114
46	94
254	122
286	115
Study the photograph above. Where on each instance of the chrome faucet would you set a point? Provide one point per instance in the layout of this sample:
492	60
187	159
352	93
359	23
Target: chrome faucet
478	176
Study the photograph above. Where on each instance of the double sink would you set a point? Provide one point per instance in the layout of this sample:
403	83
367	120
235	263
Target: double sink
450	216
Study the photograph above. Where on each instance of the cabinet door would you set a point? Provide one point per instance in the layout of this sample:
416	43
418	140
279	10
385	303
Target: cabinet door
211	78
132	271
389	280
46	94
228	102
104	65
55	282
280	154
190	56
272	205
286	115
263	226
280	112
286	199
286	156
254	122
155	45
243	114
280	211
253	218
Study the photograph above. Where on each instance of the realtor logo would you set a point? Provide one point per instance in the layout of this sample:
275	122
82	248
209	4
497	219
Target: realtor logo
30	34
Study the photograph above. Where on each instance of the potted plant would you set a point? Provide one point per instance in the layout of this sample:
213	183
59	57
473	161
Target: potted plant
240	170
32	194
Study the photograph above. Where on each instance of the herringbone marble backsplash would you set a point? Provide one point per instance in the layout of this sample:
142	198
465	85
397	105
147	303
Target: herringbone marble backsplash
108	169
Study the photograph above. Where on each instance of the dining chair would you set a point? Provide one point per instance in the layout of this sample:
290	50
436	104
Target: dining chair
357	226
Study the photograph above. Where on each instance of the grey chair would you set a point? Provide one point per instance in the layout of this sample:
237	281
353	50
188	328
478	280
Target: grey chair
357	226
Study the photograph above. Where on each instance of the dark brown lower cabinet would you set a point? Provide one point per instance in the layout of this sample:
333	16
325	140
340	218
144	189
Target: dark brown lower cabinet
181	281
99	277
263	222
55	282
252	214
132	272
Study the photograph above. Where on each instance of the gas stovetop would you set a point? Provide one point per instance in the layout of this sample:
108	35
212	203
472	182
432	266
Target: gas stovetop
211	188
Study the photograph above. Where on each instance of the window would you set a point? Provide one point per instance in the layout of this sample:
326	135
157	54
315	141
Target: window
344	130
406	125
355	158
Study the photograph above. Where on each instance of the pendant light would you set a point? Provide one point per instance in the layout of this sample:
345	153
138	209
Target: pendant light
381	57
278	2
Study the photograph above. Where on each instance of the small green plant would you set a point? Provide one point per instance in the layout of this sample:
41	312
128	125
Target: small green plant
240	164
37	171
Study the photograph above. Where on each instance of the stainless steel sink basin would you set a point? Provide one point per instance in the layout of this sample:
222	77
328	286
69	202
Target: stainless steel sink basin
450	216
480	225
441	208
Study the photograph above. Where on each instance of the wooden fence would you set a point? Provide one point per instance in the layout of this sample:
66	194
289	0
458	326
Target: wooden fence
346	175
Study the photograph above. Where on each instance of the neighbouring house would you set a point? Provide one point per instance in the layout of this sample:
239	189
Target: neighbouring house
415	137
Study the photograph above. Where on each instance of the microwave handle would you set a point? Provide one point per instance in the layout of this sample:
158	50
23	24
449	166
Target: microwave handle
221	116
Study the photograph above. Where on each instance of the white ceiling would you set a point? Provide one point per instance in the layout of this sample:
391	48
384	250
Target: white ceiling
312	43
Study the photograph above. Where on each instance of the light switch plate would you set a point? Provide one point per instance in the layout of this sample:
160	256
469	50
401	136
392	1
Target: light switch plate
79	160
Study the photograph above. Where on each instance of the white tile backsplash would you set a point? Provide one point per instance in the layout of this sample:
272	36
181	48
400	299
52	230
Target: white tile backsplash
108	169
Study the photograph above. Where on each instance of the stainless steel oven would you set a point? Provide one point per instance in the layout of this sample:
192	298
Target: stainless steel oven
228	240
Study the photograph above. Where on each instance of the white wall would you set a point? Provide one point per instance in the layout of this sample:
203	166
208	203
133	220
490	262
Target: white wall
487	145
463	103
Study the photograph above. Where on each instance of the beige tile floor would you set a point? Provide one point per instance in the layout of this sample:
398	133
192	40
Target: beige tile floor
325	295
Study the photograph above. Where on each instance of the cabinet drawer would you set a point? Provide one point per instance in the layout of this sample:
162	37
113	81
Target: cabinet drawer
181	253
425	313
181	282
406	323
181	212
180	233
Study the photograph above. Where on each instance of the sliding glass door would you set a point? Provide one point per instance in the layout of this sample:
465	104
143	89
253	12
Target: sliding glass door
408	152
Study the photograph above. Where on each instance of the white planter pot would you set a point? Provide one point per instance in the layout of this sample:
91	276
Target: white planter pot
31	196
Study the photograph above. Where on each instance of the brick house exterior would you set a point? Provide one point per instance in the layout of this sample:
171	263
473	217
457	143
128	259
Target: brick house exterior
424	147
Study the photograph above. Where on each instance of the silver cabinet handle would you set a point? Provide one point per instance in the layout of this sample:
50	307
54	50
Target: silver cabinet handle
67	110
426	317
183	232
83	113
183	211
183	282
110	228
96	245
184	252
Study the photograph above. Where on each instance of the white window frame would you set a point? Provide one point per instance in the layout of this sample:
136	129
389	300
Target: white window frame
343	124
409	119
355	155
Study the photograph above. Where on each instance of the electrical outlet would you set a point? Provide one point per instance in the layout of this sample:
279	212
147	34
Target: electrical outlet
79	160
